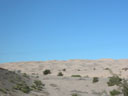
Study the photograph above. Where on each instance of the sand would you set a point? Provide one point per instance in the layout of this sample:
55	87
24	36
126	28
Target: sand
66	85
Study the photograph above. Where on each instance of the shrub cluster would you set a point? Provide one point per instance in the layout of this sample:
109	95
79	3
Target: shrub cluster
22	86
3	90
60	74
114	80
46	72
25	75
114	92
38	85
122	83
74	94
125	88
95	79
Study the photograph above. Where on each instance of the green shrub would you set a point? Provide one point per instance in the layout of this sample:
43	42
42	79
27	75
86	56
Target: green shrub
22	87
114	92
12	81
25	89
46	72
25	75
60	74
18	78
115	80
33	87
3	90
95	79
74	94
76	76
38	85
125	88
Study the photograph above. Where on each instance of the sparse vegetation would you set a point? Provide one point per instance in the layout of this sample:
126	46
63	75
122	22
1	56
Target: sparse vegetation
27	83
46	72
102	93
12	81
25	75
114	80
18	71
125	69
18	78
74	94
95	79
60	74
114	92
125	88
64	69
3	90
76	76
38	85
22	86
107	69
122	83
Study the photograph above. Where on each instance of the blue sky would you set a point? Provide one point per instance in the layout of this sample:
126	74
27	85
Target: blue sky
34	30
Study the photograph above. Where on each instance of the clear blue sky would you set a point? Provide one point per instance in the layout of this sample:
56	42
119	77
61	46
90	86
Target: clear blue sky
32	30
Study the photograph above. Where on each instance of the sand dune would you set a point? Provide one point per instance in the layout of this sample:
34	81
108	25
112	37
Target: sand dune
66	85
89	68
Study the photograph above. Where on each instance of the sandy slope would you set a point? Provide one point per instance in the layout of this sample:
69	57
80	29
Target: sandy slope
89	68
67	85
10	79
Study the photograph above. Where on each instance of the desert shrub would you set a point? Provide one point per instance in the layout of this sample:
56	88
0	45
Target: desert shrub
22	86
125	88
114	80
25	75
76	75
18	71
12	81
64	69
3	90
74	94
125	69
18	78
46	72
107	69
25	89
95	79
114	92
38	85
60	74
